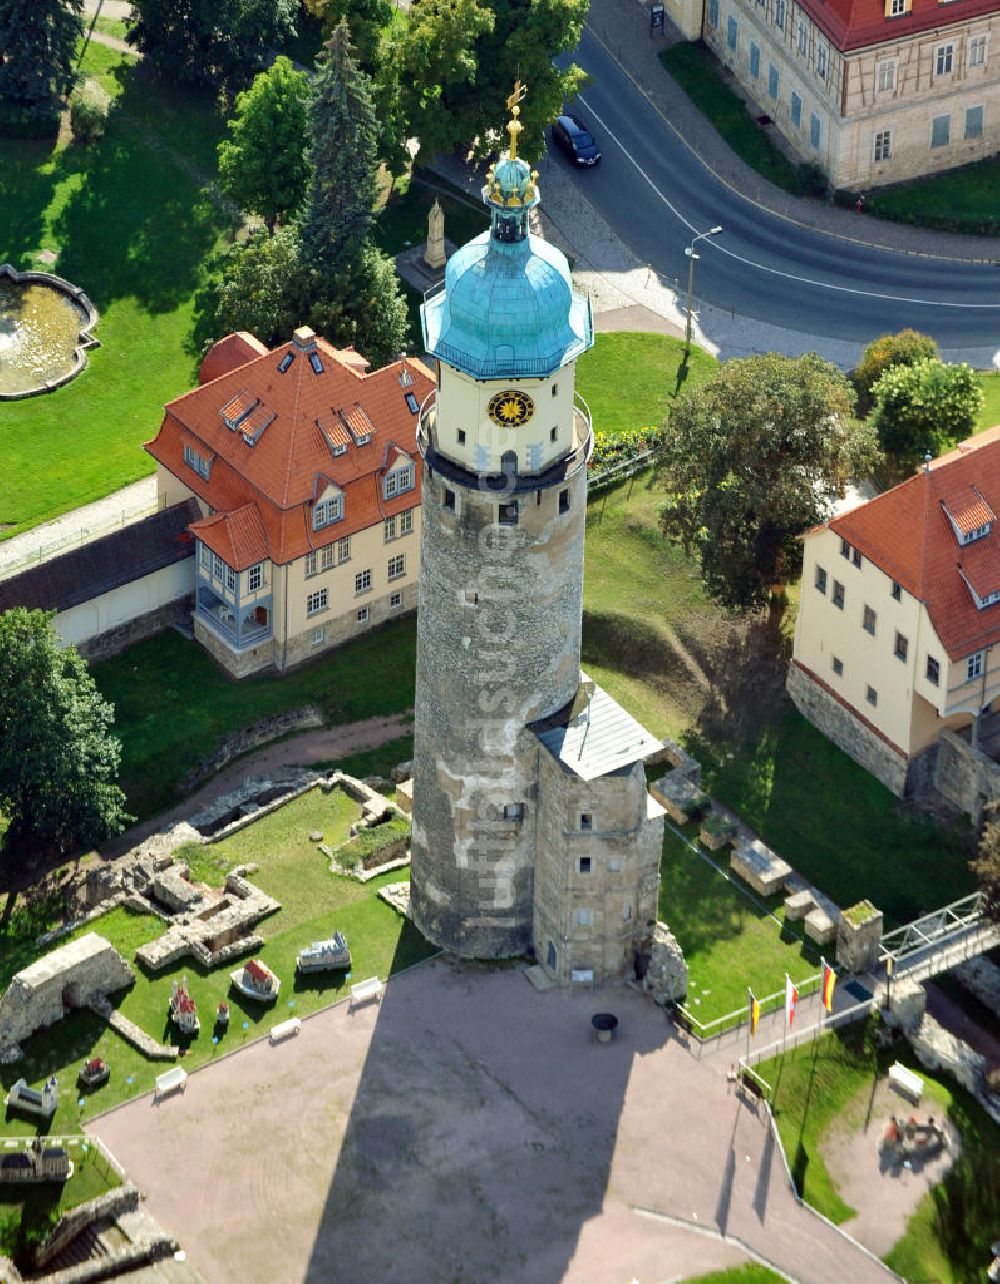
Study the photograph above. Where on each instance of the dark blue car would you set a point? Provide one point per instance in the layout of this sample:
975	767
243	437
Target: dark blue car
575	139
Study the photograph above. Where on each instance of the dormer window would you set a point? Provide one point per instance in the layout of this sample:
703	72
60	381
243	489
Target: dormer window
977	532
971	517
328	511
196	461
398	481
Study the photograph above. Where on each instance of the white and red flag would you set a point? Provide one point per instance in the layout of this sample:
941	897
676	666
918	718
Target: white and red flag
791	999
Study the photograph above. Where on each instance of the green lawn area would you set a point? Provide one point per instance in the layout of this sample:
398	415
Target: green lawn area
947	1239
107	26
966	200
314	903
990	413
196	705
729	940
630	380
27	1213
752	1273
134	226
697	72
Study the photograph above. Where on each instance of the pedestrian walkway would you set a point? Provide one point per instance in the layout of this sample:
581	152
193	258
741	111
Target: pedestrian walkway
622	27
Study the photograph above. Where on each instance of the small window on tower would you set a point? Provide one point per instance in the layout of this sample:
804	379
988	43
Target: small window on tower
507	515
554	435
461	436
555	390
564	501
584	864
449	500
586	821
513	811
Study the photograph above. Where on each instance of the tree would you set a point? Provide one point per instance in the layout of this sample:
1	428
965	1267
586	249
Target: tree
262	288
457	62
58	757
38	54
262	165
986	866
924	408
343	159
367	20
753	458
365	307
209	42
902	349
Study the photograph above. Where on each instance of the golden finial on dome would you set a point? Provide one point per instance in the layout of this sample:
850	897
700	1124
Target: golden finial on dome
514	126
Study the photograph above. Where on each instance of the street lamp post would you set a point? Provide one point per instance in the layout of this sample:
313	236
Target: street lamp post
691	256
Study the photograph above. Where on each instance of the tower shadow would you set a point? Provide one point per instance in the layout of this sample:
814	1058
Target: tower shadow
482	1128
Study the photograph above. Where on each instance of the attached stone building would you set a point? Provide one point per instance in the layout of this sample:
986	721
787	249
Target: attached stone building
873	91
896	653
303	463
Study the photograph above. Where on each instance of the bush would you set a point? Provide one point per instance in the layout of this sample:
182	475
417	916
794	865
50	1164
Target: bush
924	408
902	349
89	105
18	123
616	448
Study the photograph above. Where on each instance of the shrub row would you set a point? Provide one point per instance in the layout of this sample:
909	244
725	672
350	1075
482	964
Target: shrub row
616	448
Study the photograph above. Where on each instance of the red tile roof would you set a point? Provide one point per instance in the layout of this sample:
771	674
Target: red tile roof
968	510
290	408
906	533
228	354
238	537
853	24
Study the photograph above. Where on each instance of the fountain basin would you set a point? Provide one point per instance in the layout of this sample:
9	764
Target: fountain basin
45	332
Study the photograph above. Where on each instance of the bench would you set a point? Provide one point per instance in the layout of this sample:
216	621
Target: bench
362	991
905	1081
170	1081
285	1029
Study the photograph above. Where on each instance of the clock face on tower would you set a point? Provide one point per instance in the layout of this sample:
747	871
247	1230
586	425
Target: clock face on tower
511	409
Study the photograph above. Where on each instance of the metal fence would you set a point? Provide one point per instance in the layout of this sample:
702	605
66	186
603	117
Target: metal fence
620	471
739	1017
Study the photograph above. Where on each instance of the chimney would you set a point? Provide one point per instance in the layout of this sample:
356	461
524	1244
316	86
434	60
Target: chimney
304	338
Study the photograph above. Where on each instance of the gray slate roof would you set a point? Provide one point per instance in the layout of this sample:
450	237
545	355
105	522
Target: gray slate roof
104	564
594	737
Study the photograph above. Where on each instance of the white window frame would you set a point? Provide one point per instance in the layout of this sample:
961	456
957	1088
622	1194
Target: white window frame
779	14
822	57
312	564
802	37
316	602
396	567
326	558
255	578
363	582
978	50
328	511
886	76
206	558
897	8
343	550
388	530
974	666
196	462
362	615
882	147
406	522
395	601
218	567
944	60
584	917
869	616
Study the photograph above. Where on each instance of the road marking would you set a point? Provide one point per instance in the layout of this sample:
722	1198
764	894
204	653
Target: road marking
762	267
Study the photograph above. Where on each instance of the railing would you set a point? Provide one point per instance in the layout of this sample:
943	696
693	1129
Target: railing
932	929
707	1030
620	471
793	1038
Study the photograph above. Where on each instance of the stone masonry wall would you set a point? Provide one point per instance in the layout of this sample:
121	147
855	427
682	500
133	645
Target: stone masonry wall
125	635
966	776
846	731
251	737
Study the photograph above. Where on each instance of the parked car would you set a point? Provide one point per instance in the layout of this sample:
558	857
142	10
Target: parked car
575	139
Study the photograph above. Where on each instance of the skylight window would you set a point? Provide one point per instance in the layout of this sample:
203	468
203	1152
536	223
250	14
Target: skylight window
285	362
315	362
411	402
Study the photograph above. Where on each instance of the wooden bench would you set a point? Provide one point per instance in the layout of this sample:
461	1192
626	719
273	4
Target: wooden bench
170	1081
362	991
905	1081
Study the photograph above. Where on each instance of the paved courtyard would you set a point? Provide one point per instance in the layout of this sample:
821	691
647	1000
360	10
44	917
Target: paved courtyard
471	1129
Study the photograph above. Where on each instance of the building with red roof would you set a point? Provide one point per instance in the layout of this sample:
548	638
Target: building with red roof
872	91
898	633
303	465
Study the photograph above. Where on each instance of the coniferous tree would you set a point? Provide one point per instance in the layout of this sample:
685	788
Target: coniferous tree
343	156
37	54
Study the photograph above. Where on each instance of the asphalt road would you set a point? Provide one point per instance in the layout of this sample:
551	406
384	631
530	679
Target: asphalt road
656	194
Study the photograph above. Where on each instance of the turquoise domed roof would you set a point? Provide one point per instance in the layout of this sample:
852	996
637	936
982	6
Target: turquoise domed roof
507	307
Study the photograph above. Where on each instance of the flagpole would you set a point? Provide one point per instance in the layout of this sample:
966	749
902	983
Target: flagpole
750	1020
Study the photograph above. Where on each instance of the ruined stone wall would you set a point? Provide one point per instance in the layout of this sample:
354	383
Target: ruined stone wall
498	645
966	776
595	889
847	731
145	626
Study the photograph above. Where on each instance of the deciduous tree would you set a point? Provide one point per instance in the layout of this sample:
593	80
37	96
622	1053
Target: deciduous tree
262	165
901	349
753	458
37	54
924	408
209	42
59	758
986	866
367	20
262	287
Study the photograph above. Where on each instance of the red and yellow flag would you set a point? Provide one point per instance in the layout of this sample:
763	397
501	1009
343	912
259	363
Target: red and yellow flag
829	981
754	1012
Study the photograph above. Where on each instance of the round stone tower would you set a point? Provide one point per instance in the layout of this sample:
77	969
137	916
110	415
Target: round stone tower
505	442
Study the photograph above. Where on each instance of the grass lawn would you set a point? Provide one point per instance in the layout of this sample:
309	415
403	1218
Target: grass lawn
990	413
729	942
314	903
196	705
27	1213
133	225
966	200
697	72
948	1237
752	1273
630	380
